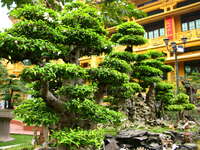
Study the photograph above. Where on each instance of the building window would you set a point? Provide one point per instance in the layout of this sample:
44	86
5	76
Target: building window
154	30
190	21
192	67
184	26
197	23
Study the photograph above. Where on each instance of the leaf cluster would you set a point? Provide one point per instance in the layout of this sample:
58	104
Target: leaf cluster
181	102
76	138
93	112
35	112
129	33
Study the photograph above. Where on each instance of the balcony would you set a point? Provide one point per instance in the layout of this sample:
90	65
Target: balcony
152	43
192	35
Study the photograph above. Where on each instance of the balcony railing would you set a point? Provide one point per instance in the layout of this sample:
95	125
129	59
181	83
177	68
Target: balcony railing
156	42
192	35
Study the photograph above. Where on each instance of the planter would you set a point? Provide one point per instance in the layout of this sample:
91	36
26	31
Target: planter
5	118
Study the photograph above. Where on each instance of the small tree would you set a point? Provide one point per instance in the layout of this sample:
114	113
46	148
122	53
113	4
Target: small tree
180	103
10	87
129	34
164	97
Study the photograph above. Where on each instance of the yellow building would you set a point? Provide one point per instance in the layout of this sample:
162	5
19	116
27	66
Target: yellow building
172	19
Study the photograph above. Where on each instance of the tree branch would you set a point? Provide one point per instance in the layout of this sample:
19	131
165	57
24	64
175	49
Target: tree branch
50	99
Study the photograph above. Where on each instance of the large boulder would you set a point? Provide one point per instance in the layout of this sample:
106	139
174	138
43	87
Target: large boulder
132	139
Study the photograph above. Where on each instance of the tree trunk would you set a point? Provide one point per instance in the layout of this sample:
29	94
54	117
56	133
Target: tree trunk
10	106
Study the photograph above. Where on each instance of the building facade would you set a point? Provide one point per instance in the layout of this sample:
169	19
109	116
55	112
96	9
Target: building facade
172	19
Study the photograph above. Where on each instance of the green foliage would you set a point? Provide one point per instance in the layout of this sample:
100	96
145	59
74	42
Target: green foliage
76	138
35	112
117	12
141	57
43	34
129	28
125	91
129	33
195	80
155	54
3	72
93	112
164	92
181	102
17	49
19	3
175	108
106	76
182	98
146	71
126	56
78	91
117	64
82	16
51	71
10	87
35	12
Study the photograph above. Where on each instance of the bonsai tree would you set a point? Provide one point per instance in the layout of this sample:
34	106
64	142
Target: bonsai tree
58	89
129	34
145	72
164	97
180	103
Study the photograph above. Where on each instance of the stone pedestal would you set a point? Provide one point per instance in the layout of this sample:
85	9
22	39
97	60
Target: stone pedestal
5	118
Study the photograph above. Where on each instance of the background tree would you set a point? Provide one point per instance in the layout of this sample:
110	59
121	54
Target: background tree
11	90
10	87
129	34
114	12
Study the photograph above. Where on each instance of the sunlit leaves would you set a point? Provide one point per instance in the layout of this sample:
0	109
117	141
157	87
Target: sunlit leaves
36	112
89	110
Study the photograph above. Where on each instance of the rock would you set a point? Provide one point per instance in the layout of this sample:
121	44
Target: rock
135	139
110	143
187	146
155	146
191	146
131	133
